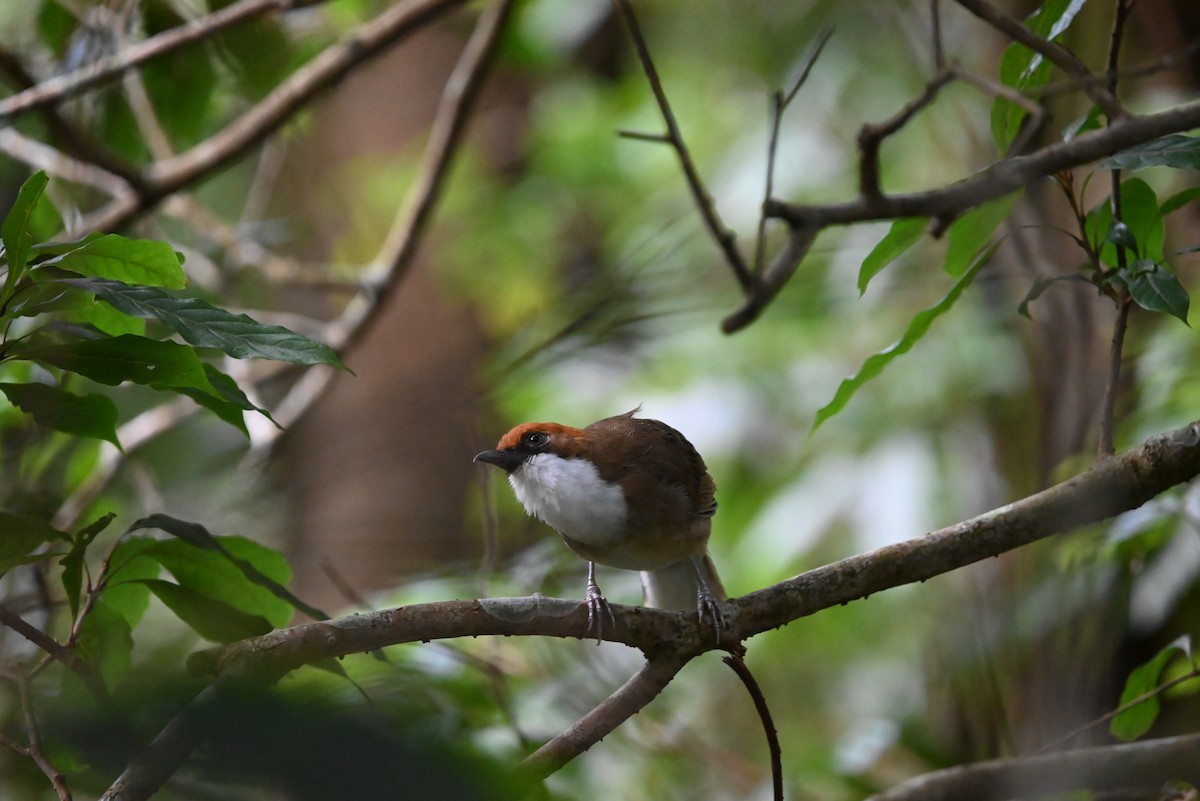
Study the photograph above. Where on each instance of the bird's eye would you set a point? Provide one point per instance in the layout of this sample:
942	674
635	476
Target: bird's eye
535	439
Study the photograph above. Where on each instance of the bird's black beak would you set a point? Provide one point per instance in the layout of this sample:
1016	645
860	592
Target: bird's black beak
508	461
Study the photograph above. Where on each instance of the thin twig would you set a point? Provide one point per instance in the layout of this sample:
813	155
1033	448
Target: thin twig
738	663
65	655
780	100
1105	446
34	750
872	134
704	201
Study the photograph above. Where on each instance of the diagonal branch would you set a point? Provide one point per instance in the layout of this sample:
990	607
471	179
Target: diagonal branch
1147	765
106	69
642	688
704	201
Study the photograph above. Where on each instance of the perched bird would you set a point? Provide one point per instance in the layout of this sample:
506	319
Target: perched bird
625	492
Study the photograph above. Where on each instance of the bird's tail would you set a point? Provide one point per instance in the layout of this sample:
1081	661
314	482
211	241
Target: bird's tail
676	586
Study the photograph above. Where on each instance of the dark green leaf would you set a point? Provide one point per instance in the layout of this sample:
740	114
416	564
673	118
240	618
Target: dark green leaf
900	237
72	563
216	574
875	364
20	534
229	402
17	230
971	232
1175	150
1043	283
1155	288
128	357
106	642
258	564
1137	720
212	619
1139	213
132	261
206	326
82	415
126	565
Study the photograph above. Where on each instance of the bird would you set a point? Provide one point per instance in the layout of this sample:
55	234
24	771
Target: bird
626	492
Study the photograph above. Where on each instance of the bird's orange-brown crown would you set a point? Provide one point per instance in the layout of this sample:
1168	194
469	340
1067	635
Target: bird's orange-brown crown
566	440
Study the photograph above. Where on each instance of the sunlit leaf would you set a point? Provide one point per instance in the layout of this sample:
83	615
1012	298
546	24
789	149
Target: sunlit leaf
917	328
132	261
82	415
903	234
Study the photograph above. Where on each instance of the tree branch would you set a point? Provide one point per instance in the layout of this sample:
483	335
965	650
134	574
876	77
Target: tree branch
106	69
640	690
1146	765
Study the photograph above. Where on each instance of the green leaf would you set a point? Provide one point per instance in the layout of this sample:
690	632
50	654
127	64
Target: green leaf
1142	217
206	326
1041	284
1176	150
903	234
1178	200
229	403
216	574
1025	70
20	534
82	415
971	232
258	564
181	81
115	360
1155	288
132	261
17	230
917	327
127	564
1137	720
209	617
72	563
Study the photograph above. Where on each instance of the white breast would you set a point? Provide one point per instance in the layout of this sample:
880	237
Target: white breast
569	495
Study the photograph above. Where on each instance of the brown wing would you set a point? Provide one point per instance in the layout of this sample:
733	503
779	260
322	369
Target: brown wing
650	449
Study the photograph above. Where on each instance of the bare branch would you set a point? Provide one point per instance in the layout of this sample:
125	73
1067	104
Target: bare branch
738	663
34	750
1146	765
704	201
65	655
642	688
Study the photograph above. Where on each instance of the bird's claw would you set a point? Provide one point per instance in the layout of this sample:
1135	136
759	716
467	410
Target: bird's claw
709	608
598	609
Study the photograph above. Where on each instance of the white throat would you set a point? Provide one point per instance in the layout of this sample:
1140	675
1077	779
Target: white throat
569	495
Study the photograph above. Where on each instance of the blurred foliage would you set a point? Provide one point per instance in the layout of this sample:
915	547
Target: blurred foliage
584	262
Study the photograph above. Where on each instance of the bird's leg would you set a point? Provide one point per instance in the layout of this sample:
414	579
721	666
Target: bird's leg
597	605
707	605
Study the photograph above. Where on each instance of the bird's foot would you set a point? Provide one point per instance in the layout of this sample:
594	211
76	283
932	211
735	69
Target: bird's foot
598	609
709	608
